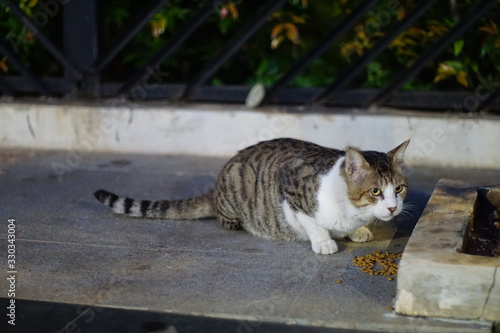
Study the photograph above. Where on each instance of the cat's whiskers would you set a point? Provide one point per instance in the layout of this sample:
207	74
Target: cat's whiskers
409	206
409	211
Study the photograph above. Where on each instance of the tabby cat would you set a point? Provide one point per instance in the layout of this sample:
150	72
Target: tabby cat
292	190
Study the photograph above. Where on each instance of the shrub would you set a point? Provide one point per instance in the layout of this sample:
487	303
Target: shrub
286	36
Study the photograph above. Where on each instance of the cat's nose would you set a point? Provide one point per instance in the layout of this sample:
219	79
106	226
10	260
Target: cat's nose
391	209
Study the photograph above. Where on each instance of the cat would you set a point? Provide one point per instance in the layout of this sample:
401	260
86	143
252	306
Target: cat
292	190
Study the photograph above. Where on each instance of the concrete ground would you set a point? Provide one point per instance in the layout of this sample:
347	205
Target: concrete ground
79	268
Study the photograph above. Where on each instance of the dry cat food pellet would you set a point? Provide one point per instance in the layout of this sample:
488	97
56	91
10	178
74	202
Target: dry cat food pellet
378	263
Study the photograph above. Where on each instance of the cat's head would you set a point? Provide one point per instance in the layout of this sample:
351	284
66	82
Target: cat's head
375	181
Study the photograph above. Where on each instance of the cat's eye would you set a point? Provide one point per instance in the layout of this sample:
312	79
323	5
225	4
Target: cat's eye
375	192
399	188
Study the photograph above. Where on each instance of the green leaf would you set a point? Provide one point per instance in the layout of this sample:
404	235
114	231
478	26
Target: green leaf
458	46
455	64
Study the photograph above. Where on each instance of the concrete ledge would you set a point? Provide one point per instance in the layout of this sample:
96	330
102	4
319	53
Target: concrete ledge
434	278
214	130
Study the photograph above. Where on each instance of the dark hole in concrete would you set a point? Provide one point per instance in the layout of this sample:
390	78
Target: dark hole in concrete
154	326
483	232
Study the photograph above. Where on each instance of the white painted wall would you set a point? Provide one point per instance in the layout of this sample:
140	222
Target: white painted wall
436	139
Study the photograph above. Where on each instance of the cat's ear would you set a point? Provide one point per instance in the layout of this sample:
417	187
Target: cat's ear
397	154
356	167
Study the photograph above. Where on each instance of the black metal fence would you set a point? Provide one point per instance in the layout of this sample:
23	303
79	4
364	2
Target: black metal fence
83	61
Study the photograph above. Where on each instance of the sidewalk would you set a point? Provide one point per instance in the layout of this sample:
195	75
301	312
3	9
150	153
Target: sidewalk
100	272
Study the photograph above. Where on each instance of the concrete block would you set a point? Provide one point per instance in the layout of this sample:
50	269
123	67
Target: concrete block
435	278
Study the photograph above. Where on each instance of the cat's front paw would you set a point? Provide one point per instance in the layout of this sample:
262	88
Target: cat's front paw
325	247
361	235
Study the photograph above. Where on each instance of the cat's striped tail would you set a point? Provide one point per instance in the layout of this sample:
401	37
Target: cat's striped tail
198	207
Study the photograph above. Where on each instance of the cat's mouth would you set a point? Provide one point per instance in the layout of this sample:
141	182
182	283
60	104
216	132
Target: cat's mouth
389	214
387	218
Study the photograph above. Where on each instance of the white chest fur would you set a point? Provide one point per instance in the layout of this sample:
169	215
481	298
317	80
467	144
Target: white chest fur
335	211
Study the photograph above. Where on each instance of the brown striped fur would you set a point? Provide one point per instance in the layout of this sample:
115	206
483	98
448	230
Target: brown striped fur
253	185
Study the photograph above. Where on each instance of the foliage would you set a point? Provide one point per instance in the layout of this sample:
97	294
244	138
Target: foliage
285	37
23	42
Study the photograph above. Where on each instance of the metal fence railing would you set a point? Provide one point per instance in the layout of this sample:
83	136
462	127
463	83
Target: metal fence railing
83	60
